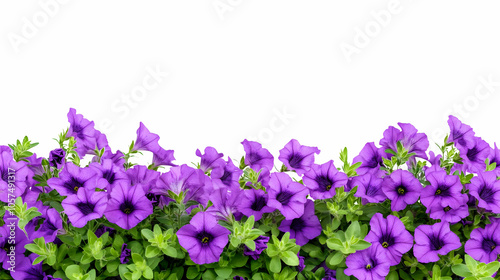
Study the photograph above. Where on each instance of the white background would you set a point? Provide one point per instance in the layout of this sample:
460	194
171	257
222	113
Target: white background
343	71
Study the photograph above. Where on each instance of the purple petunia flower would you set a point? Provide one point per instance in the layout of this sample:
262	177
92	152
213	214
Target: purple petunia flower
370	158
409	137
301	265
57	158
225	202
16	174
260	246
474	158
203	238
256	156
83	131
486	189
434	240
109	174
211	159
286	195
128	205
460	133
494	157
254	202
298	157
86	205
146	141
25	270
368	264
447	213
444	189
163	157
484	243
7	242
103	229
369	188
304	228
322	180
392	235
402	188
72	178
228	174
125	254
50	227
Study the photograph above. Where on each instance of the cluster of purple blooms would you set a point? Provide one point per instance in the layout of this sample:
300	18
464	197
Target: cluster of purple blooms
128	196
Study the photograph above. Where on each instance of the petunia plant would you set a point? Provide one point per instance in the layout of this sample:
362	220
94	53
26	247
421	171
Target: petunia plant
396	210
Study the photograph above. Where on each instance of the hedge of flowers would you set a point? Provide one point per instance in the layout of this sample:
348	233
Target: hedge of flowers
397	211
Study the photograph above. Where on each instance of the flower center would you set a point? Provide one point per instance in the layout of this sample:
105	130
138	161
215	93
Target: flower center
295	160
127	207
205	239
401	190
324	183
73	184
447	208
258	204
489	245
438	191
368	266
328	187
436	243
385	244
297	224
85	207
284	197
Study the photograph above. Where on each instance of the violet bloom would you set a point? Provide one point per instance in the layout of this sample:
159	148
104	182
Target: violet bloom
434	240
57	158
140	174
368	264
35	164
146	141
125	254
83	131
460	133
50	227
117	157
447	213
322	180
13	173
304	228
254	202
228	174
256	156
392	235
301	265
402	188
409	137
298	157
25	270
369	188
444	189
6	242
163	157
203	238
474	158
109	174
486	189
210	159
128	206
484	243
370	158
494	157
72	178
85	206
103	229
225	202
286	195
260	246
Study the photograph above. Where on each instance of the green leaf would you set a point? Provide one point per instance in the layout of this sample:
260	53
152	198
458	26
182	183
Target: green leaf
336	258
152	251
353	230
275	265
224	272
461	270
290	258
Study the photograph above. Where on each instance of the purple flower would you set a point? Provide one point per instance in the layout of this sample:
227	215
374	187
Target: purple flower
163	157
411	140
57	158
447	213
7	243
13	173
83	131
484	243
369	264
125	254
140	174
474	158
117	157
460	133
260	246
444	189
369	188
35	164
322	180
211	159
304	228
298	157
228	174
402	188
203	238
72	178
486	189
434	240
103	229
254	202
50	226
370	158
392	235
286	195
86	205
24	270
109	174
494	157
146	141
225	202
238	278
128	206
256	156
301	265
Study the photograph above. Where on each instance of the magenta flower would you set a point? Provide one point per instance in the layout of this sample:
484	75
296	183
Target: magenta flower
256	156
128	206
72	178
486	189
304	228
210	159
260	246
57	158
254	202
228	174
484	243
444	189
402	188
412	141
434	240
370	158
298	157
392	235
146	141
203	238
474	158
368	264
86	205
322	180
286	195
460	133
369	188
